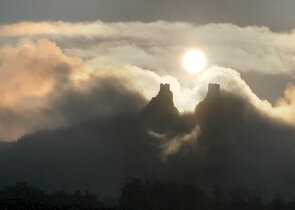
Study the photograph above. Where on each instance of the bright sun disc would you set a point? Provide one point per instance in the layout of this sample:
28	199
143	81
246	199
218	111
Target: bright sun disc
194	61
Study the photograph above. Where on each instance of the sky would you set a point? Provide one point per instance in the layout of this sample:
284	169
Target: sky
48	49
277	15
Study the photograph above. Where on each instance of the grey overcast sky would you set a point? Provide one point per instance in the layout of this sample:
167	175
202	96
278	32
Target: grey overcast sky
277	15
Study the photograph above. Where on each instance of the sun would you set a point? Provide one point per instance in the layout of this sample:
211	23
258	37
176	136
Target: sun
194	61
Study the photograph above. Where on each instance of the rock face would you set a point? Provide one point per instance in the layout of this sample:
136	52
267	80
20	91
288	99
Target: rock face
209	113
163	103
213	91
212	102
160	112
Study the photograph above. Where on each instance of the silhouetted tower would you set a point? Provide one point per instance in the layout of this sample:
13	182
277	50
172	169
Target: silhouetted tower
213	91
210	109
160	114
163	102
165	93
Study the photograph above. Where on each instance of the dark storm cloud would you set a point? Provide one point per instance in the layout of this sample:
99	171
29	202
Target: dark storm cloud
271	13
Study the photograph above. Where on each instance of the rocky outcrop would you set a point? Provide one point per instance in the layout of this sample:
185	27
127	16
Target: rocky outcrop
162	104
160	114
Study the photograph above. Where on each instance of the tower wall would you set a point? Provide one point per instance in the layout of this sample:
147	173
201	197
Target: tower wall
213	90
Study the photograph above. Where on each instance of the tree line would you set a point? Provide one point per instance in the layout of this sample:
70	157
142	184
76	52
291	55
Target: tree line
138	194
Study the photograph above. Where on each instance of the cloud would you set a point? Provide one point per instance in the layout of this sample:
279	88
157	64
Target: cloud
32	70
43	88
286	105
197	11
54	73
171	146
160	45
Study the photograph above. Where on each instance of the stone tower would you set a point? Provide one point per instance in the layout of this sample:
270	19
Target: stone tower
213	91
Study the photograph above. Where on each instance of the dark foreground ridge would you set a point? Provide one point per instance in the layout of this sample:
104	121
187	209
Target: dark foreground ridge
225	142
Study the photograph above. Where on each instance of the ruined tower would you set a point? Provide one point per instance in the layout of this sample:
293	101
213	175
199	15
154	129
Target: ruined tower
160	114
213	91
163	102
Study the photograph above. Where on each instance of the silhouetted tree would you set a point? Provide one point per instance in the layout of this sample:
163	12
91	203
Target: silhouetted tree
137	194
23	196
277	203
254	202
291	205
217	202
